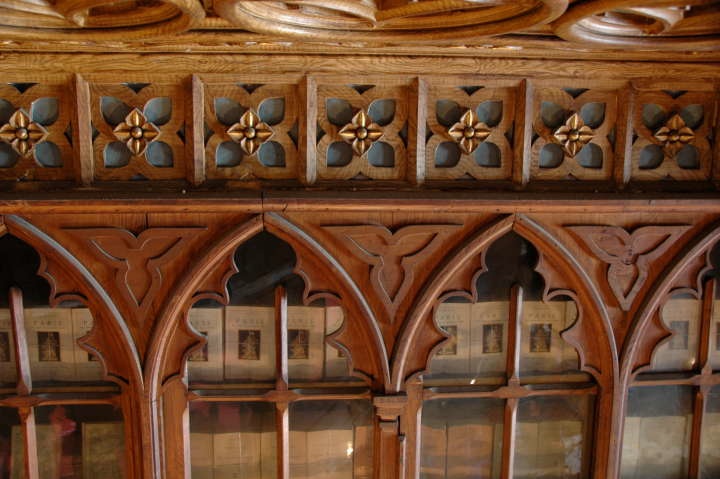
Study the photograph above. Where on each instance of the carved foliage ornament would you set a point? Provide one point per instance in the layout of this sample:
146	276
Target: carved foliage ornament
469	132
393	256
22	133
628	254
361	133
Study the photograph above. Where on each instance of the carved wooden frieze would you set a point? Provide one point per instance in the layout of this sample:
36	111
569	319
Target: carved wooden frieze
36	134
628	254
139	263
672	131
250	129
363	129
575	132
137	131
392	256
470	130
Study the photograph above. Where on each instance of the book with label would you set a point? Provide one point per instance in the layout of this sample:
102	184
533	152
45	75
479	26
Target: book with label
488	338
453	357
8	370
336	363
542	348
87	366
206	363
305	342
249	342
51	345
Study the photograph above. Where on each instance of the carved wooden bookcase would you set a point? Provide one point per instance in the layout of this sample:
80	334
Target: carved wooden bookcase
358	259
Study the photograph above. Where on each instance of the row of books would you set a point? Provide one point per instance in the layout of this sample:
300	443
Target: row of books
324	454
241	343
52	347
474	450
103	451
479	337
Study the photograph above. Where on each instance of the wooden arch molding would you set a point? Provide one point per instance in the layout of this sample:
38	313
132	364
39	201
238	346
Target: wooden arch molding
563	276
323	277
70	280
647	329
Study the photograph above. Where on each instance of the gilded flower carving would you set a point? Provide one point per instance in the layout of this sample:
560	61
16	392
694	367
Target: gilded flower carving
22	133
573	135
469	132
674	134
250	132
136	132
361	133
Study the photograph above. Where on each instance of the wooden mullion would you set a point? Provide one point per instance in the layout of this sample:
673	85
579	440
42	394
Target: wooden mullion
703	389
22	363
27	416
281	355
513	375
509	435
590	391
514	328
282	417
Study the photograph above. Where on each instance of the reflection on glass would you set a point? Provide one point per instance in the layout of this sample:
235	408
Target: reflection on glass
331	439
77	441
657	433
681	316
552	435
710	454
11	451
232	440
461	438
715	333
542	350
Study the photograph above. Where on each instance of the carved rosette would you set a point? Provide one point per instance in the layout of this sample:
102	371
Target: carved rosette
573	135
250	132
22	133
629	255
469	132
361	133
136	132
674	135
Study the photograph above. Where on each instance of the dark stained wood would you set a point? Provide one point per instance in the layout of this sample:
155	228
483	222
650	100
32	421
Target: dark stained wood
22	363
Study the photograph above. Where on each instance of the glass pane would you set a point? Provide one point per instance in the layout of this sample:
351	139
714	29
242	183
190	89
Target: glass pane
8	371
229	440
80	441
679	353
710	453
331	439
657	433
11	447
542	350
461	438
552	437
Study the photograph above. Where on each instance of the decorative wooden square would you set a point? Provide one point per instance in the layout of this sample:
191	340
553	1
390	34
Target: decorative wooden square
363	129
470	130
35	132
671	135
252	127
574	133
138	131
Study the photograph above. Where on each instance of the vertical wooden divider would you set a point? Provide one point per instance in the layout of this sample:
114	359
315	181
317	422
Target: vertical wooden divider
513	374
703	389
282	418
24	382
